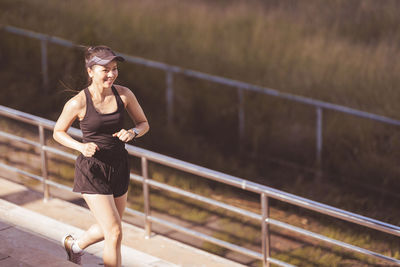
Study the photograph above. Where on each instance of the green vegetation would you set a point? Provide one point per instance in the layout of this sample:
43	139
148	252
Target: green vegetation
344	52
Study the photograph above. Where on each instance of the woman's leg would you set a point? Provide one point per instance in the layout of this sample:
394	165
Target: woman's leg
105	211
95	234
120	203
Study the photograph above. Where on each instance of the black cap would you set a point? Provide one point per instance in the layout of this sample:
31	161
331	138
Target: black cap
103	57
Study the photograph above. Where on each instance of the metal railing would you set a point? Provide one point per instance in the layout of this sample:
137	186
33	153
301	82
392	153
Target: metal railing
266	193
171	70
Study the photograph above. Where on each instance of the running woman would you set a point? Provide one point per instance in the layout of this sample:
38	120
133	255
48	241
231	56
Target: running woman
102	168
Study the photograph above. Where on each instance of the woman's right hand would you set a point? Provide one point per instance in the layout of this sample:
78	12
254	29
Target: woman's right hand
88	149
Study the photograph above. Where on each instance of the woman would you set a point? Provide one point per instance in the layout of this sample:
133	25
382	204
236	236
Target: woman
102	169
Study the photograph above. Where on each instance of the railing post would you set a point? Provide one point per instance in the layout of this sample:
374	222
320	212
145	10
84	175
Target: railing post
170	97
319	140
266	243
43	156
43	45
147	222
241	117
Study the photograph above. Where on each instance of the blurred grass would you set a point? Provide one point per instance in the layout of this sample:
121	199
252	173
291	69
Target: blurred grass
340	52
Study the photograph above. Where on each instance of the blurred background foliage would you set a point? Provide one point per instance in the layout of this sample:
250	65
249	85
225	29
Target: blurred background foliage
339	51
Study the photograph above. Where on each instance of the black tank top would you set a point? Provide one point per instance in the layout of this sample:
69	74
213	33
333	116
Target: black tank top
98	127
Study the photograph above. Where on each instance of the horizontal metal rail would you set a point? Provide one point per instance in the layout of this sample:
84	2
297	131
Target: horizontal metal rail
19	139
216	176
25	173
34	120
205	200
331	241
26	117
39	36
270	192
60	152
208	238
213	78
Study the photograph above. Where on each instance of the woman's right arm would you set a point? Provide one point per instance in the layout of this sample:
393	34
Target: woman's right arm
68	116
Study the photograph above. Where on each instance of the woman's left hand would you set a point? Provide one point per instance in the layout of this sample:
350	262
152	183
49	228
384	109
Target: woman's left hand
124	135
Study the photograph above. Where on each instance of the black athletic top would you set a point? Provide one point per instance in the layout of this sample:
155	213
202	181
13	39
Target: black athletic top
98	127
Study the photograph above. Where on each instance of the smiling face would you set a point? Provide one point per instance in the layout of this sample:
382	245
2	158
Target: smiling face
103	76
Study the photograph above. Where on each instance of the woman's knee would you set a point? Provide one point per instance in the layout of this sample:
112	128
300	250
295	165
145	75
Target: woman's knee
114	233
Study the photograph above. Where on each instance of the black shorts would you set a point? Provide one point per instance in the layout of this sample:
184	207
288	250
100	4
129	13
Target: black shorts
105	173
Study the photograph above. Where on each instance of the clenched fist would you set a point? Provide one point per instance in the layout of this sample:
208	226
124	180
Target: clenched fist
124	135
88	149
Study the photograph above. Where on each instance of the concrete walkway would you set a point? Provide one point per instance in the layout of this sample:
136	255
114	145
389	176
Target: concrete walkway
35	239
21	248
31	230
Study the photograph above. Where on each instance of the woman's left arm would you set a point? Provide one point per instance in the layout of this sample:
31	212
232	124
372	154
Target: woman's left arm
136	113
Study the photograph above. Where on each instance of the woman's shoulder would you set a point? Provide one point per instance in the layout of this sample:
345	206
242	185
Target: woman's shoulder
78	101
125	93
122	90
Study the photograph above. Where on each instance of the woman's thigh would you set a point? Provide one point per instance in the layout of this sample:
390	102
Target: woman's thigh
120	203
104	210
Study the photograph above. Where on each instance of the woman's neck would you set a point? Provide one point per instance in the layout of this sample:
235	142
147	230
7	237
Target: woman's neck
99	91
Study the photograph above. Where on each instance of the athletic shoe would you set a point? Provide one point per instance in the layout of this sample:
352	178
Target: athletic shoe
67	242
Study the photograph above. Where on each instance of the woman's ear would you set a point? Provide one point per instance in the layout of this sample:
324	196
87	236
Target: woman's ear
90	72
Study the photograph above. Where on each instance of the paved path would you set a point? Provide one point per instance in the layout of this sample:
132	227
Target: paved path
33	239
31	230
